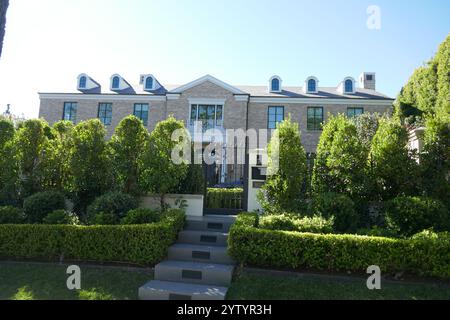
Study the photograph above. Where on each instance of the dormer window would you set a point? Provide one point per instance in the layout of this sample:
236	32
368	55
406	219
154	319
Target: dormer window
311	85
82	83
149	83
348	86
86	84
275	84
115	83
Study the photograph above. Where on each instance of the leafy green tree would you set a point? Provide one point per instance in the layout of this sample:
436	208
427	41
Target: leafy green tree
161	174
427	92
285	188
33	152
393	167
89	164
57	170
128	145
366	128
435	160
341	164
443	79
321	180
8	164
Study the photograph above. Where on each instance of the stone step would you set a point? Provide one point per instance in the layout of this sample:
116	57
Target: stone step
194	272
199	253
166	290
210	223
209	238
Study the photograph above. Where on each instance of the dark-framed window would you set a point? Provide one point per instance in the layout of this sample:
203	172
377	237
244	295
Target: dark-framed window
315	118
354	112
312	86
116	82
275	116
348	86
275	84
141	112
149	83
83	82
210	115
105	113
70	111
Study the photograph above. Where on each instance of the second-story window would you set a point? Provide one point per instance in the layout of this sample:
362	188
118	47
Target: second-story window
275	116
315	118
354	112
105	113
141	111
211	116
70	111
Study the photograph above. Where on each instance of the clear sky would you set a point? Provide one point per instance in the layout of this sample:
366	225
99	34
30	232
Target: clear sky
49	42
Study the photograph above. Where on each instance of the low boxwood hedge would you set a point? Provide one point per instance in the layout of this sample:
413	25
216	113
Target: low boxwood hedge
425	256
140	244
221	198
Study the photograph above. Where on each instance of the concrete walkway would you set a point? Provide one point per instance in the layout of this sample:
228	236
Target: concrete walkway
198	265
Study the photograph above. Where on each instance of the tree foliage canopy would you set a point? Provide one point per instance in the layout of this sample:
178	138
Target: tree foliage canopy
285	188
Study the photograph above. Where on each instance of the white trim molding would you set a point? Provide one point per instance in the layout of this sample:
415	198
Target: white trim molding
206	101
102	97
173	96
242	98
322	101
204	79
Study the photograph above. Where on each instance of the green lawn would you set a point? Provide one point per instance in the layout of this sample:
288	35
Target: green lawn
263	286
48	282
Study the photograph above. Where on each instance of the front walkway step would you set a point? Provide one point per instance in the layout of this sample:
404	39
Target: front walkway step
210	223
199	253
209	238
194	272
166	290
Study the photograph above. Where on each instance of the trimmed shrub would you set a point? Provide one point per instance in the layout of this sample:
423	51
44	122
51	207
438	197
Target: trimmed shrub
218	198
59	217
409	215
113	203
142	244
141	216
104	219
11	215
338	206
287	222
39	205
339	253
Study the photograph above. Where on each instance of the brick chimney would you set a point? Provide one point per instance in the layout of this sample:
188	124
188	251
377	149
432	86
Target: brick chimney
367	80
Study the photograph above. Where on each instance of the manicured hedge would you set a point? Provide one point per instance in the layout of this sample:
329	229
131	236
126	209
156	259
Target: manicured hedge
220	198
425	256
141	244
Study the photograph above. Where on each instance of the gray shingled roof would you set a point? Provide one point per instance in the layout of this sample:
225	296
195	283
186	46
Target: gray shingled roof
262	91
324	92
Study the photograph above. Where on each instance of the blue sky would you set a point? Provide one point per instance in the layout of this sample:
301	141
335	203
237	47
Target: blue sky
49	42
